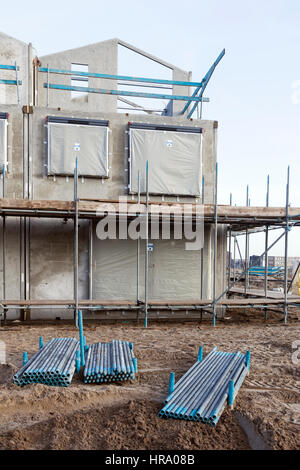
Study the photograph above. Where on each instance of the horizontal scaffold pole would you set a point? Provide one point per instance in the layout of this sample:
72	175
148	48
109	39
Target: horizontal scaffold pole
77	73
123	93
10	82
8	67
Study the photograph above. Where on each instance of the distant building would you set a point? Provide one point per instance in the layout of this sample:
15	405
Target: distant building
278	261
255	261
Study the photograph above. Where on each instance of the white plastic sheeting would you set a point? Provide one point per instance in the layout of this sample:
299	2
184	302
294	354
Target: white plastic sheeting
174	161
174	273
88	143
3	143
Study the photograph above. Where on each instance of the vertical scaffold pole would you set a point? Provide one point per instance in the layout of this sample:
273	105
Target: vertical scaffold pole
229	269
146	244
4	238
247	247
76	242
81	338
286	245
17	81
229	261
138	252
202	249
234	257
266	247
138	246
90	259
48	88
215	247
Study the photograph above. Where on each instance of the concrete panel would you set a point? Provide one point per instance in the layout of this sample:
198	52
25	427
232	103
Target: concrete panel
52	263
12	262
101	57
116	185
12	50
15	146
180	75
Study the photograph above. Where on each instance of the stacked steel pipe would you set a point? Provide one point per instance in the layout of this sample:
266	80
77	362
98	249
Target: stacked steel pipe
110	362
203	392
53	364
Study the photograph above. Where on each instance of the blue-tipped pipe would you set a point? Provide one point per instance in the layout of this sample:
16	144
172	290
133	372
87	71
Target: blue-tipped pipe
25	358
231	393
248	359
77	362
81	338
131	346
200	354
134	360
41	342
171	383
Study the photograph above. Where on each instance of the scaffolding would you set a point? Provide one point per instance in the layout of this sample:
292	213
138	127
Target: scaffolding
239	220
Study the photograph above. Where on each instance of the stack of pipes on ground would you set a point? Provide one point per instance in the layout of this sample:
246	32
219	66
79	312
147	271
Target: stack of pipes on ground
202	393
53	364
110	362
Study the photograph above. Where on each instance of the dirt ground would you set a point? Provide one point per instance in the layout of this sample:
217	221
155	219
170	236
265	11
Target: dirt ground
266	413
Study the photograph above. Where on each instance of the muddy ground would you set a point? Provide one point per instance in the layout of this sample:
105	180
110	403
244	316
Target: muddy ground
266	413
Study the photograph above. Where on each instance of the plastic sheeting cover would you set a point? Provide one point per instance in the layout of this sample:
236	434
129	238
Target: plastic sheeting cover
3	143
88	143
174	272
174	161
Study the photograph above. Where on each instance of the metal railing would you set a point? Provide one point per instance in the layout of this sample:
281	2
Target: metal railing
196	97
15	82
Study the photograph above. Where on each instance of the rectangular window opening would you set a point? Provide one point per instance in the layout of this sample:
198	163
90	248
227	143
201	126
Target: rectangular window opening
3	142
79	81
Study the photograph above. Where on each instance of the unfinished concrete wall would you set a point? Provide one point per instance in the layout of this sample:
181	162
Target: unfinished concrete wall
101	57
16	143
180	75
12	50
61	187
51	270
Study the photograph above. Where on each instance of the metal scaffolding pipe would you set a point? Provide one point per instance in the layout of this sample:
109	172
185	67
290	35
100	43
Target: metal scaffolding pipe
90	259
76	242
138	246
266	245
247	248
146	244
287	228
215	246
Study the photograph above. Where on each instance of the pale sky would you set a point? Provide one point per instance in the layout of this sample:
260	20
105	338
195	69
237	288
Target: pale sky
254	93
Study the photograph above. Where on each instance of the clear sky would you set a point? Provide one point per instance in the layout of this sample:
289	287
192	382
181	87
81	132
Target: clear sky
255	91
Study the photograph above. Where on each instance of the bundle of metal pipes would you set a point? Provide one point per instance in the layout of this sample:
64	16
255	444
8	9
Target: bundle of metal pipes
53	364
110	362
203	392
